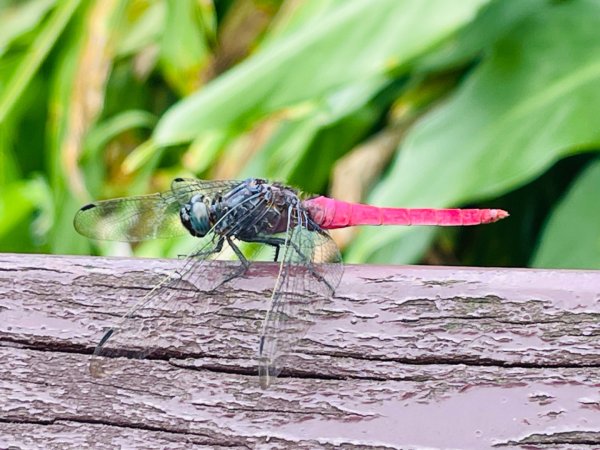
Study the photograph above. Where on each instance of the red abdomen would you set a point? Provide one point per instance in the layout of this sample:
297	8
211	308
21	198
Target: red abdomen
329	214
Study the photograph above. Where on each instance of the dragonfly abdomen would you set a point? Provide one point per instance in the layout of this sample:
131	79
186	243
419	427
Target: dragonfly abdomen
329	214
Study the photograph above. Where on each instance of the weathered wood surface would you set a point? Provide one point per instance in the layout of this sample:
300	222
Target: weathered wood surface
403	357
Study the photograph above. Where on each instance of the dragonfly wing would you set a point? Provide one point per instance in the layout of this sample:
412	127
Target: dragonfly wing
154	216
130	336
184	188
174	298
310	271
131	219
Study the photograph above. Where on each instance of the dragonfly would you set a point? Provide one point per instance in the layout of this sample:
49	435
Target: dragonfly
222	214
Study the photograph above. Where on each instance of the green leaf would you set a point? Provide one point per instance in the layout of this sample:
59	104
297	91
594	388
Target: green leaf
530	103
312	142
493	21
39	49
204	151
571	237
15	206
18	20
140	156
293	16
25	215
145	28
183	50
9	169
63	237
103	132
360	40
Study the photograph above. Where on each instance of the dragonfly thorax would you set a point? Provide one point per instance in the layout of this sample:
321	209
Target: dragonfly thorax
250	211
195	216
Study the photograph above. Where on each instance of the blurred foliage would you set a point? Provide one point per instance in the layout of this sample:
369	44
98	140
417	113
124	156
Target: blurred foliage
480	103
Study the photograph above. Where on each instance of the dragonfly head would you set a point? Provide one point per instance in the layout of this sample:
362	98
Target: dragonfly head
195	216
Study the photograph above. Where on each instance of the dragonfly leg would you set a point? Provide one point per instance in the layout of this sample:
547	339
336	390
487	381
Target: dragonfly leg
239	271
216	249
278	242
272	241
238	253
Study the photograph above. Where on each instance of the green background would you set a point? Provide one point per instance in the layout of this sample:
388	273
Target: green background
424	103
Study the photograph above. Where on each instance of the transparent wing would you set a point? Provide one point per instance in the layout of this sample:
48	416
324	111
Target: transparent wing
131	219
184	188
176	294
154	216
310	271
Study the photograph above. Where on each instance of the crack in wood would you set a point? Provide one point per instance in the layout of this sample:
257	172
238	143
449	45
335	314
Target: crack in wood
591	438
423	348
123	425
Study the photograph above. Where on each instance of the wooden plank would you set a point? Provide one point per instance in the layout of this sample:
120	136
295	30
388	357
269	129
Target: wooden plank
401	357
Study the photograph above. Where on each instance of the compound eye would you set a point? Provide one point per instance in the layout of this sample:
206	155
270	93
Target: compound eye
200	218
195	216
196	198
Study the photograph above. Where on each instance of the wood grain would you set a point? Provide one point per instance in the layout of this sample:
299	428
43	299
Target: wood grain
402	357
